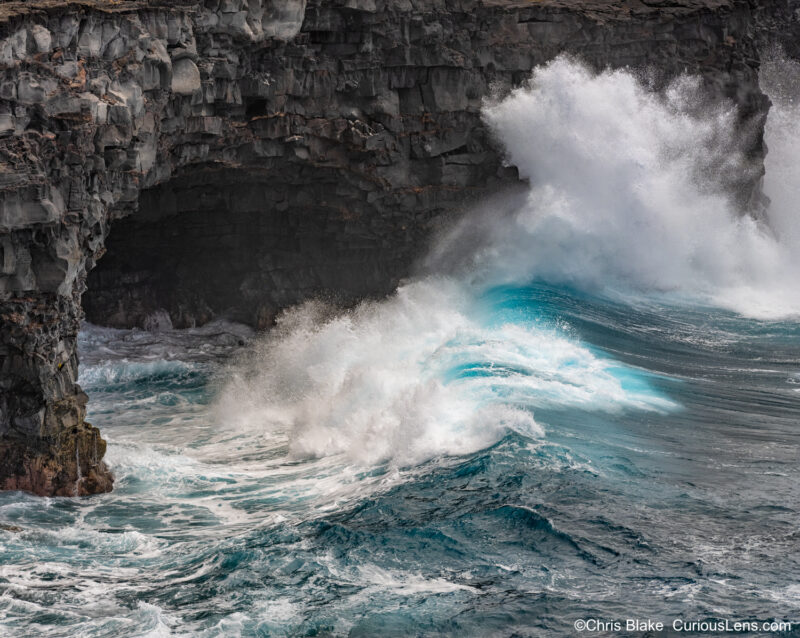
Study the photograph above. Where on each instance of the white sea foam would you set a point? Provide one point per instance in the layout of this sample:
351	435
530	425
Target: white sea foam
154	622
628	194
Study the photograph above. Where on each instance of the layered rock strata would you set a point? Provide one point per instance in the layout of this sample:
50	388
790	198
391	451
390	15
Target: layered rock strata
237	156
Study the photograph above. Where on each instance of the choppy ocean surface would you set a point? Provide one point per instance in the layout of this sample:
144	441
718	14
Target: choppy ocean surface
592	411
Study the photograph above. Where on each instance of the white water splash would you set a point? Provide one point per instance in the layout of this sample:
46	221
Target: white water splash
627	195
411	378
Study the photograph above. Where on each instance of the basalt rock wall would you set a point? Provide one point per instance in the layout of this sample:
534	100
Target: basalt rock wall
237	156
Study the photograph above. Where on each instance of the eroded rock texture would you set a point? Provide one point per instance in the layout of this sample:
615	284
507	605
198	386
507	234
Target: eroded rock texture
238	156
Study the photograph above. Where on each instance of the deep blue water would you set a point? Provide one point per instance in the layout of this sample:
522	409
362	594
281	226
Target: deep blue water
683	503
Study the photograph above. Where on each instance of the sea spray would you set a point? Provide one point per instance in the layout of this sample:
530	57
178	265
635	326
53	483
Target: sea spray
425	373
628	196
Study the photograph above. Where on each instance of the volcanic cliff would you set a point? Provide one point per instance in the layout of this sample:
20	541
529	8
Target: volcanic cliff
234	157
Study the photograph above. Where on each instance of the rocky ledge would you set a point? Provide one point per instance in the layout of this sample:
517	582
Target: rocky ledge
237	156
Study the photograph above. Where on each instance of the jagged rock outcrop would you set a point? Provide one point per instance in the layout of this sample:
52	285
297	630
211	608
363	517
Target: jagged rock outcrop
237	156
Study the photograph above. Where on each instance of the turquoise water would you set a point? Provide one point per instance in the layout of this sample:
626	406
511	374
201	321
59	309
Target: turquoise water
681	503
585	408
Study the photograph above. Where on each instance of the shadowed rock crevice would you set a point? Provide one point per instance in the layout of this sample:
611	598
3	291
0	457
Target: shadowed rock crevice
247	154
246	244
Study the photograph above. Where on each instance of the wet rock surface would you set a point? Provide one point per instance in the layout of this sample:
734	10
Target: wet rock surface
234	157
